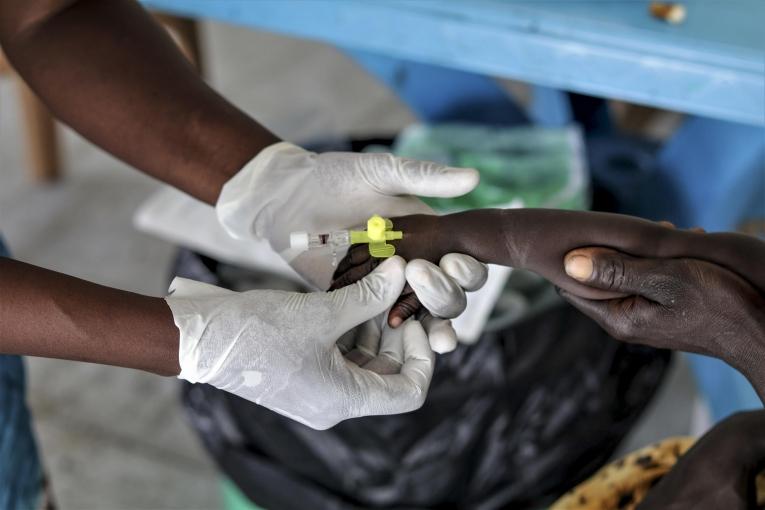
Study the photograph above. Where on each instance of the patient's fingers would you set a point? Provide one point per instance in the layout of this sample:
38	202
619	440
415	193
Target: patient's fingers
406	306
669	224
357	254
355	265
354	274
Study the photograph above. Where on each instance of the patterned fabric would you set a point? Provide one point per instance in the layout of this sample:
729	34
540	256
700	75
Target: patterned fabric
623	484
21	478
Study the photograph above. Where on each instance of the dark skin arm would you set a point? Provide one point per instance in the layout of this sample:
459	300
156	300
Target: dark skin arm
684	304
718	471
110	72
704	293
48	314
538	240
114	75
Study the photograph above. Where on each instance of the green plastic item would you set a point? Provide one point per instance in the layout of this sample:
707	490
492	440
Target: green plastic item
233	498
538	167
379	231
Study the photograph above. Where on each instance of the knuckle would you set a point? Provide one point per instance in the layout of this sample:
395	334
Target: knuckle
408	306
372	289
628	327
323	423
323	313
611	273
622	330
666	284
417	399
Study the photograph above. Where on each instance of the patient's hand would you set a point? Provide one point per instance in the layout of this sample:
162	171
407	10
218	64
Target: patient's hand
539	239
423	241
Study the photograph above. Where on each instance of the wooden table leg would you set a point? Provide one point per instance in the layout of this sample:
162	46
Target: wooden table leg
5	67
186	33
40	132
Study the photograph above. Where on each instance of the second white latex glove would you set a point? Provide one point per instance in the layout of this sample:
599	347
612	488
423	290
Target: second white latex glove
441	290
279	349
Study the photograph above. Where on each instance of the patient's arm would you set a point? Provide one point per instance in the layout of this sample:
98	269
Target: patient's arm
538	240
719	471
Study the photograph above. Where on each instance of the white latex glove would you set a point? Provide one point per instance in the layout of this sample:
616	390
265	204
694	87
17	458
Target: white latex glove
279	349
286	189
441	290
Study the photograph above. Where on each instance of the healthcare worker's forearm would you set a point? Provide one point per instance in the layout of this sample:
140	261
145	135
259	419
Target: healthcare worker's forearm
113	74
48	314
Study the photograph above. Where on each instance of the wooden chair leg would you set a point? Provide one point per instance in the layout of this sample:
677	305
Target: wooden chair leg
5	67
186	33
40	132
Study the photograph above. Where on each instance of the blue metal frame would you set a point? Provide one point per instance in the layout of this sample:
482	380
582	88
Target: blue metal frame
550	107
715	171
441	94
712	65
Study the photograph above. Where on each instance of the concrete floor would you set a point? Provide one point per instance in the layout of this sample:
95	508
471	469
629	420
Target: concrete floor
115	438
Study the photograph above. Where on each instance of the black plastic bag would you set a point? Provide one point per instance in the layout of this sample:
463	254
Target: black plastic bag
510	422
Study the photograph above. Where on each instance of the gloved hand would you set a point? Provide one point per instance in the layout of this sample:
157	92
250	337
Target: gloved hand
684	304
441	290
279	349
439	287
286	189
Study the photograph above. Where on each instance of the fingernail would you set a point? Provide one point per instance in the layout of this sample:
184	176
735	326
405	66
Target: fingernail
668	224
579	267
394	321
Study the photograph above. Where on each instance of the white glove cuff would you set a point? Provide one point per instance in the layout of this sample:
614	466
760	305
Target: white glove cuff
192	323
248	198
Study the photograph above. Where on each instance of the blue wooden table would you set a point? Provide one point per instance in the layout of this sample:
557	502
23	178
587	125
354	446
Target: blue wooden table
439	57
711	65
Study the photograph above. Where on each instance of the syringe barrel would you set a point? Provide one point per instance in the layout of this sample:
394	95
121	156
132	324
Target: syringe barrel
305	241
